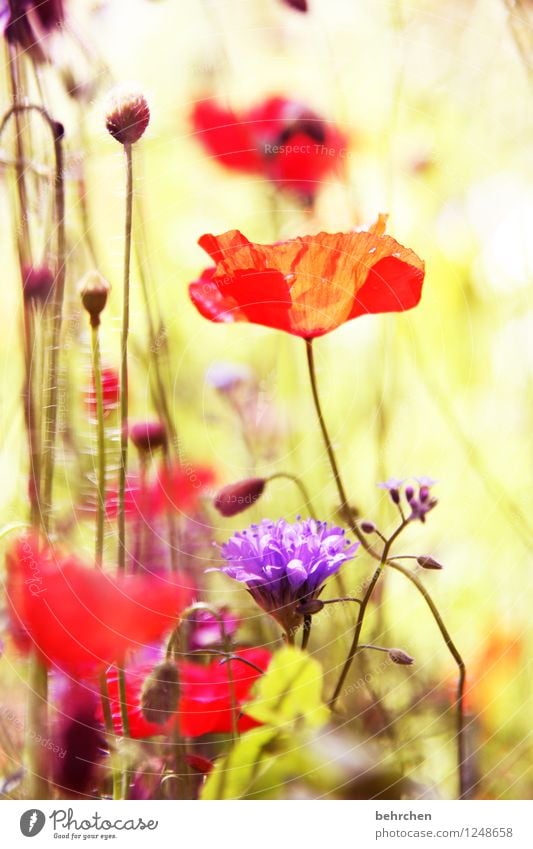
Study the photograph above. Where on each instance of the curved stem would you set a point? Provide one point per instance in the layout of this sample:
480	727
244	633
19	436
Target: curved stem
304	492
361	614
461	739
101	459
345	509
124	362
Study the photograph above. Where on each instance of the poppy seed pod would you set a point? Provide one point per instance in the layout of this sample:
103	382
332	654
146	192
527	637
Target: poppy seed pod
127	116
160	693
237	497
147	436
401	657
94	291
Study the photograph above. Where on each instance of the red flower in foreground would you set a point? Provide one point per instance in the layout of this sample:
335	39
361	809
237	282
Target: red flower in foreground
205	702
79	618
281	139
310	285
110	391
175	488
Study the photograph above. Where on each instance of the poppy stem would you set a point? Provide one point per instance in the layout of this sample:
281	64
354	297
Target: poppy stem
462	759
124	362
345	509
100	437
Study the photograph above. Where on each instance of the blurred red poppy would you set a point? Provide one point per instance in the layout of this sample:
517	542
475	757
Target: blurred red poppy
205	701
110	391
79	618
176	487
307	286
283	140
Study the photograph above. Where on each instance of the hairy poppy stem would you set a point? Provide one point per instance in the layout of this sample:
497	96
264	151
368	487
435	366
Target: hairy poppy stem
100	438
38	696
462	761
124	362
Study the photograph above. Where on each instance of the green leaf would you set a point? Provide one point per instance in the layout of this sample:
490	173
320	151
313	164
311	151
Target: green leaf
290	690
251	755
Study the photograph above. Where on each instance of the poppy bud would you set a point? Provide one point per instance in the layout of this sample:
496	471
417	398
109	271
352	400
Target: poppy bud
94	290
401	657
127	116
308	607
428	563
368	527
38	281
160	693
147	436
237	497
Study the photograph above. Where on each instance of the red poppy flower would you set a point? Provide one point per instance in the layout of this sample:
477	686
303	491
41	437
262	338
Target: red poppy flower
79	618
205	701
177	488
310	285
281	139
110	391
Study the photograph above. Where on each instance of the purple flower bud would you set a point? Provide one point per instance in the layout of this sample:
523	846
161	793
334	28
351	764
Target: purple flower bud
401	657
428	563
368	527
147	436
409	493
238	497
38	283
423	493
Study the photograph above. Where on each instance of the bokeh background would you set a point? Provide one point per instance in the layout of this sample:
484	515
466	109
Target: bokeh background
435	97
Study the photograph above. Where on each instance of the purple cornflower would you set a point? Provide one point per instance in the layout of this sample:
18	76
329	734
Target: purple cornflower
284	564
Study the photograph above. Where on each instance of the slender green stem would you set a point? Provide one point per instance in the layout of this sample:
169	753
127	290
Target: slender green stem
38	725
304	492
462	762
123	697
100	447
361	614
308	621
124	362
345	507
110	729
